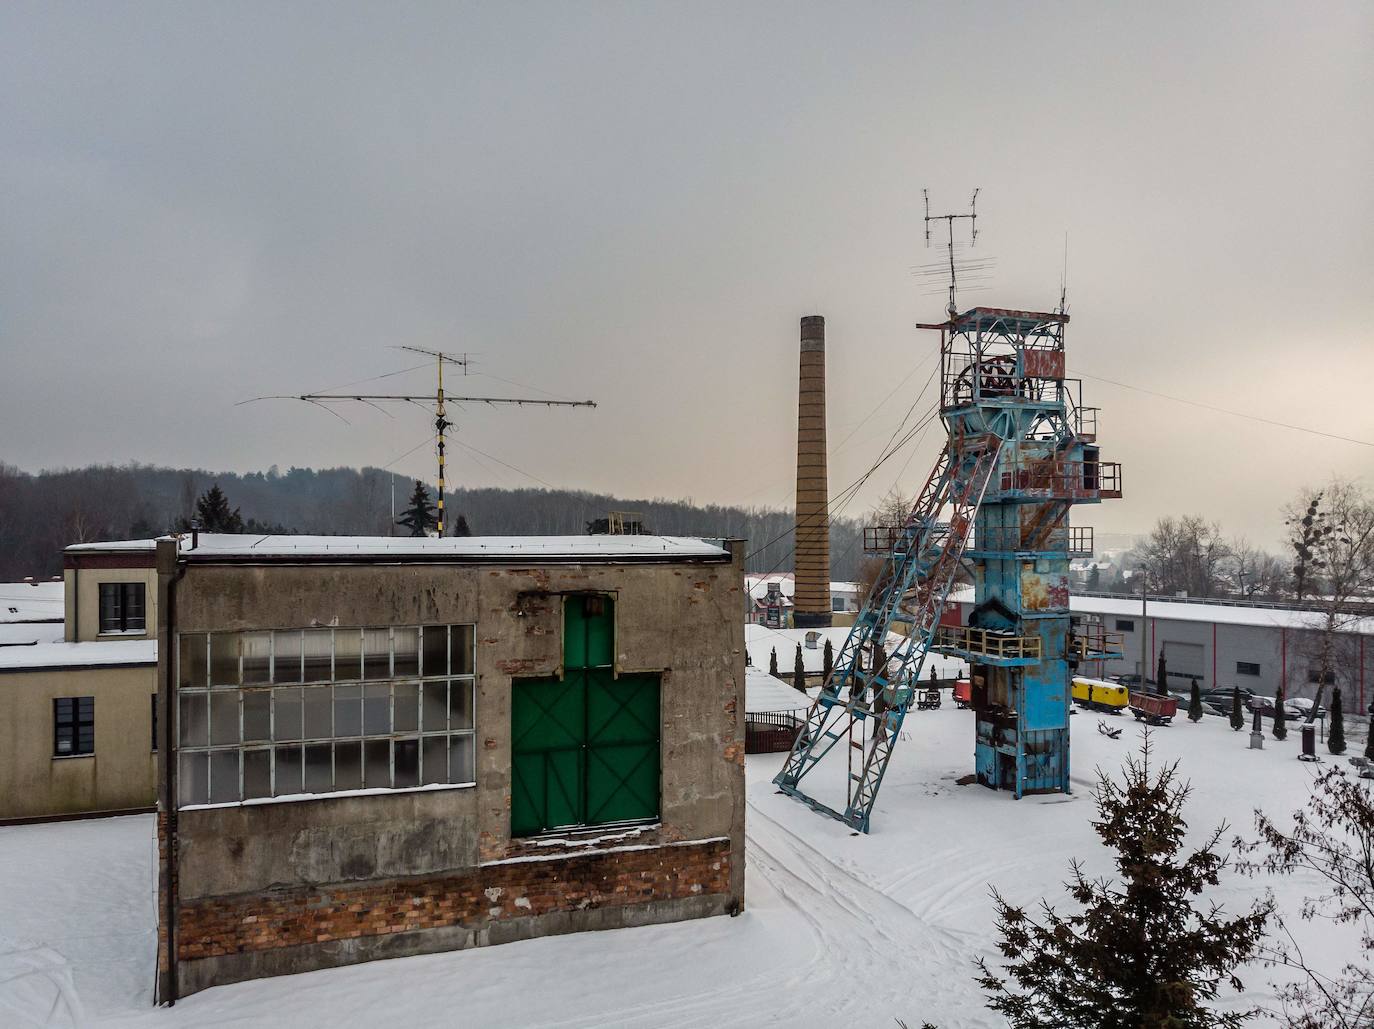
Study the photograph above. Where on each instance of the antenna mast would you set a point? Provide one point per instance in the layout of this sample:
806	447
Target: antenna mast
439	399
949	220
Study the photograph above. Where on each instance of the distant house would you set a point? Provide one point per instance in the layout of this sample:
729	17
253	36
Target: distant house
78	682
771	600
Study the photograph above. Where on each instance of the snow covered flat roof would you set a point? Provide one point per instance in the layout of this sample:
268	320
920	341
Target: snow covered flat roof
100	654
763	693
1196	611
31	602
211	546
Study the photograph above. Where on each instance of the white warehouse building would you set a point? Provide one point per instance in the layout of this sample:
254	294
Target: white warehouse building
1225	643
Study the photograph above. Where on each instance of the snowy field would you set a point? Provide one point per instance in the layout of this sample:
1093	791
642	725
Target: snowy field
840	929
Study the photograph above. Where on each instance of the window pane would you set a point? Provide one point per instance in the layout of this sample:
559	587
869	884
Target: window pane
460	704
377	710
435	642
405	644
434	760
348	766
193	779
406	707
461	753
348	654
460	649
133	606
318	704
257	656
319	768
376	653
109	607
224	776
257	716
288	771
224	658
377	764
257	773
286	713
195	721
318	648
224	717
286	656
434	713
348	710
191	664
407	753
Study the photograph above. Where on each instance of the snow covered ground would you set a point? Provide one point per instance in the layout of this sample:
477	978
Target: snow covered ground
840	929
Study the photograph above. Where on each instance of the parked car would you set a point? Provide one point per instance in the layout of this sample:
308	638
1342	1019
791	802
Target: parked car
1209	707
1132	681
1304	707
1265	706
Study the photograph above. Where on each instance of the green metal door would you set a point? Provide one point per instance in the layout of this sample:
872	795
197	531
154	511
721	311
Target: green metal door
585	749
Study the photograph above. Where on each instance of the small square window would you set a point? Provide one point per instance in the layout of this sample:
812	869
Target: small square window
1247	668
73	726
122	607
1125	625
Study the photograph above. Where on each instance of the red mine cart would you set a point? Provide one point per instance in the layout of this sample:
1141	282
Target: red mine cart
963	693
1152	708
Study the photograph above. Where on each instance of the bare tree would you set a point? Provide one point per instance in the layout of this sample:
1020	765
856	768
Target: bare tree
1333	538
1252	572
1330	843
1185	555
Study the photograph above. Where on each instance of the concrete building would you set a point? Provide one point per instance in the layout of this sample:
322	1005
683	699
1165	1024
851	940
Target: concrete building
386	747
77	713
1227	643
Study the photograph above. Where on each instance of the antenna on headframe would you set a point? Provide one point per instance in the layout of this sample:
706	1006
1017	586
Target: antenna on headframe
949	220
1064	279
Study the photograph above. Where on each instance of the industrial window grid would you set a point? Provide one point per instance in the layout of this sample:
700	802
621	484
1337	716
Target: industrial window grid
1125	625
272	713
73	726
122	607
1247	668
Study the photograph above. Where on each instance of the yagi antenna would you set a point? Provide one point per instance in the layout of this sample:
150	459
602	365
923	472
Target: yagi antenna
949	220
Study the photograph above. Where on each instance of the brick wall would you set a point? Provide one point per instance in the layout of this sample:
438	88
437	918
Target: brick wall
490	893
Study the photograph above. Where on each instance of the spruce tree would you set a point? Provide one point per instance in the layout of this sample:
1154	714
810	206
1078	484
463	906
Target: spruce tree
1335	739
1280	731
1142	950
1161	675
420	517
1195	703
1369	740
799	672
213	512
461	527
773	663
1237	719
828	659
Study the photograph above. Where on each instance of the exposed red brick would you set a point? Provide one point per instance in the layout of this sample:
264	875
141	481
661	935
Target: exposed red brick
283	918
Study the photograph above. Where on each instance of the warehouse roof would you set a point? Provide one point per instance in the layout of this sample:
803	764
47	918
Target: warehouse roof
1219	612
214	546
31	601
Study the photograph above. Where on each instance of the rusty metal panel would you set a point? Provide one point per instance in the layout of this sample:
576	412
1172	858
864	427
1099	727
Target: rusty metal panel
1044	364
1043	591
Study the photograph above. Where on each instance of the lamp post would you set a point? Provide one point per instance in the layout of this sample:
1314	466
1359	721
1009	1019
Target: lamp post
1144	630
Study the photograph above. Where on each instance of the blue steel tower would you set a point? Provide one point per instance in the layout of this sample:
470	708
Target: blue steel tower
1003	376
1020	452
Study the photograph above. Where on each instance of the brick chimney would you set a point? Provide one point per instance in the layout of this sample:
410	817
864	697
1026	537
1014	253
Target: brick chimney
811	603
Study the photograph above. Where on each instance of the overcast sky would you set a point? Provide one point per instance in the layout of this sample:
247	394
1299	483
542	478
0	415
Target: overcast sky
636	202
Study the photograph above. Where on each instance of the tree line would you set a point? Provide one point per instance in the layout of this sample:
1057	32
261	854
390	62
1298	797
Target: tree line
41	513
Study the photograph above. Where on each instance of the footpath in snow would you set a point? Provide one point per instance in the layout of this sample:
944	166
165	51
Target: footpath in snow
839	928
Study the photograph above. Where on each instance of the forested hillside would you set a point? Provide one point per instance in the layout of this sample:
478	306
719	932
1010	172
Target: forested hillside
44	512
